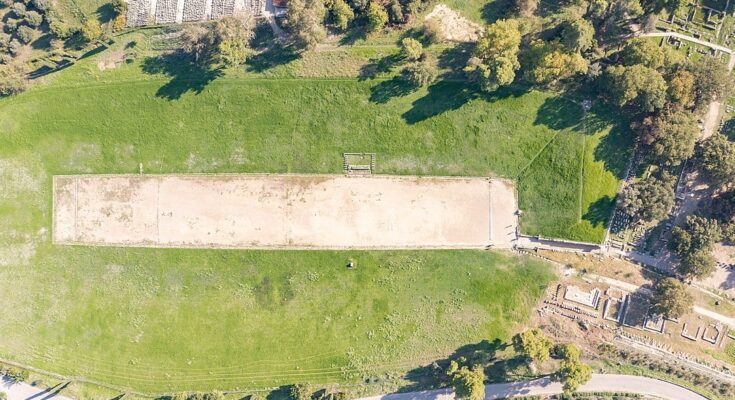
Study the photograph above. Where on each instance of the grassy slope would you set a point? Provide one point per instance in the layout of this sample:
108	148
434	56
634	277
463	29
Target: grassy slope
162	320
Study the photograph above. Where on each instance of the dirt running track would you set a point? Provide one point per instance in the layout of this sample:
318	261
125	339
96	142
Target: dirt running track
284	211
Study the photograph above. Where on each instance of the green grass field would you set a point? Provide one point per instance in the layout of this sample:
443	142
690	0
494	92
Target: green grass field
163	320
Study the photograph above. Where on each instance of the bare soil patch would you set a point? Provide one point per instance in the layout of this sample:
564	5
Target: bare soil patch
284	211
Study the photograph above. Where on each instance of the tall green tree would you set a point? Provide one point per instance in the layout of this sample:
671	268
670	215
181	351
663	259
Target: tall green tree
468	383
232	37
672	136
642	51
697	265
648	200
377	17
342	13
578	35
549	63
717	158
305	21
495	59
712	80
572	374
533	344
671	299
636	85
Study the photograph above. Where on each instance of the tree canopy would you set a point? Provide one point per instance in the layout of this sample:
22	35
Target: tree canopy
717	158
468	383
648	200
672	136
671	299
305	21
533	344
495	59
548	63
636	85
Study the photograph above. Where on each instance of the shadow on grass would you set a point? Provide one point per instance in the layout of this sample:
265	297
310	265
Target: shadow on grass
375	68
272	57
434	375
105	13
614	149
386	90
185	75
357	31
448	95
599	211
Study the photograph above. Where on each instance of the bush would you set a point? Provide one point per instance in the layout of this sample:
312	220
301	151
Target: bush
118	23
19	9
377	17
119	6
16	375
60	29
420	73
411	49
25	34
33	18
15	47
91	30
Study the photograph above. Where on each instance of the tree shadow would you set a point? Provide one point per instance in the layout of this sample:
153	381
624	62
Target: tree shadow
599	211
449	95
105	13
262	36
378	67
455	58
272	57
185	75
386	90
433	376
43	42
495	10
559	113
356	32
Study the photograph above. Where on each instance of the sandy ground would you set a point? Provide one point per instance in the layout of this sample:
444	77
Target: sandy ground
284	211
454	26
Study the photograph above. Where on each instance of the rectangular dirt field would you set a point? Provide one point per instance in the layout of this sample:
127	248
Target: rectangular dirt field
284	211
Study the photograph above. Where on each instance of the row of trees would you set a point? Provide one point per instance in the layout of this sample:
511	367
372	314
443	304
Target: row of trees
308	20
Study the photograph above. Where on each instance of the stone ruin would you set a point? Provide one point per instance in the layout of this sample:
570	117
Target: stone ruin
148	12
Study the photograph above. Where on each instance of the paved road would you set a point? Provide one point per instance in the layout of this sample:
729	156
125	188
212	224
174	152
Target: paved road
539	387
24	391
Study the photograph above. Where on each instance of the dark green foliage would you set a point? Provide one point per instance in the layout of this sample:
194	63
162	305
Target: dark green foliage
671	136
671	299
649	200
420	73
717	158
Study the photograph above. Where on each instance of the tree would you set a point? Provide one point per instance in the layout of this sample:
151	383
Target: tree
526	8
572	374
301	391
642	51
681	89
697	234
3	396
395	12
533	344
25	34
578	36
567	351
495	59
377	17
671	136
305	21
697	265
712	80
411	49
34	19
468	383
91	30
198	42
420	73
232	35
636	85
19	9
649	200
548	63
342	14
671	299
598	8
717	158
722	207
12	79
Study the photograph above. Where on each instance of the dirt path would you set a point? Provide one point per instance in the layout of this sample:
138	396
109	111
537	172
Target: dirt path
545	387
24	391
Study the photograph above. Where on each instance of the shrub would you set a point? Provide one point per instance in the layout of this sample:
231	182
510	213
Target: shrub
119	6
15	374
19	9
91	30
60	29
377	17
25	34
33	18
420	73
301	392
118	23
411	49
